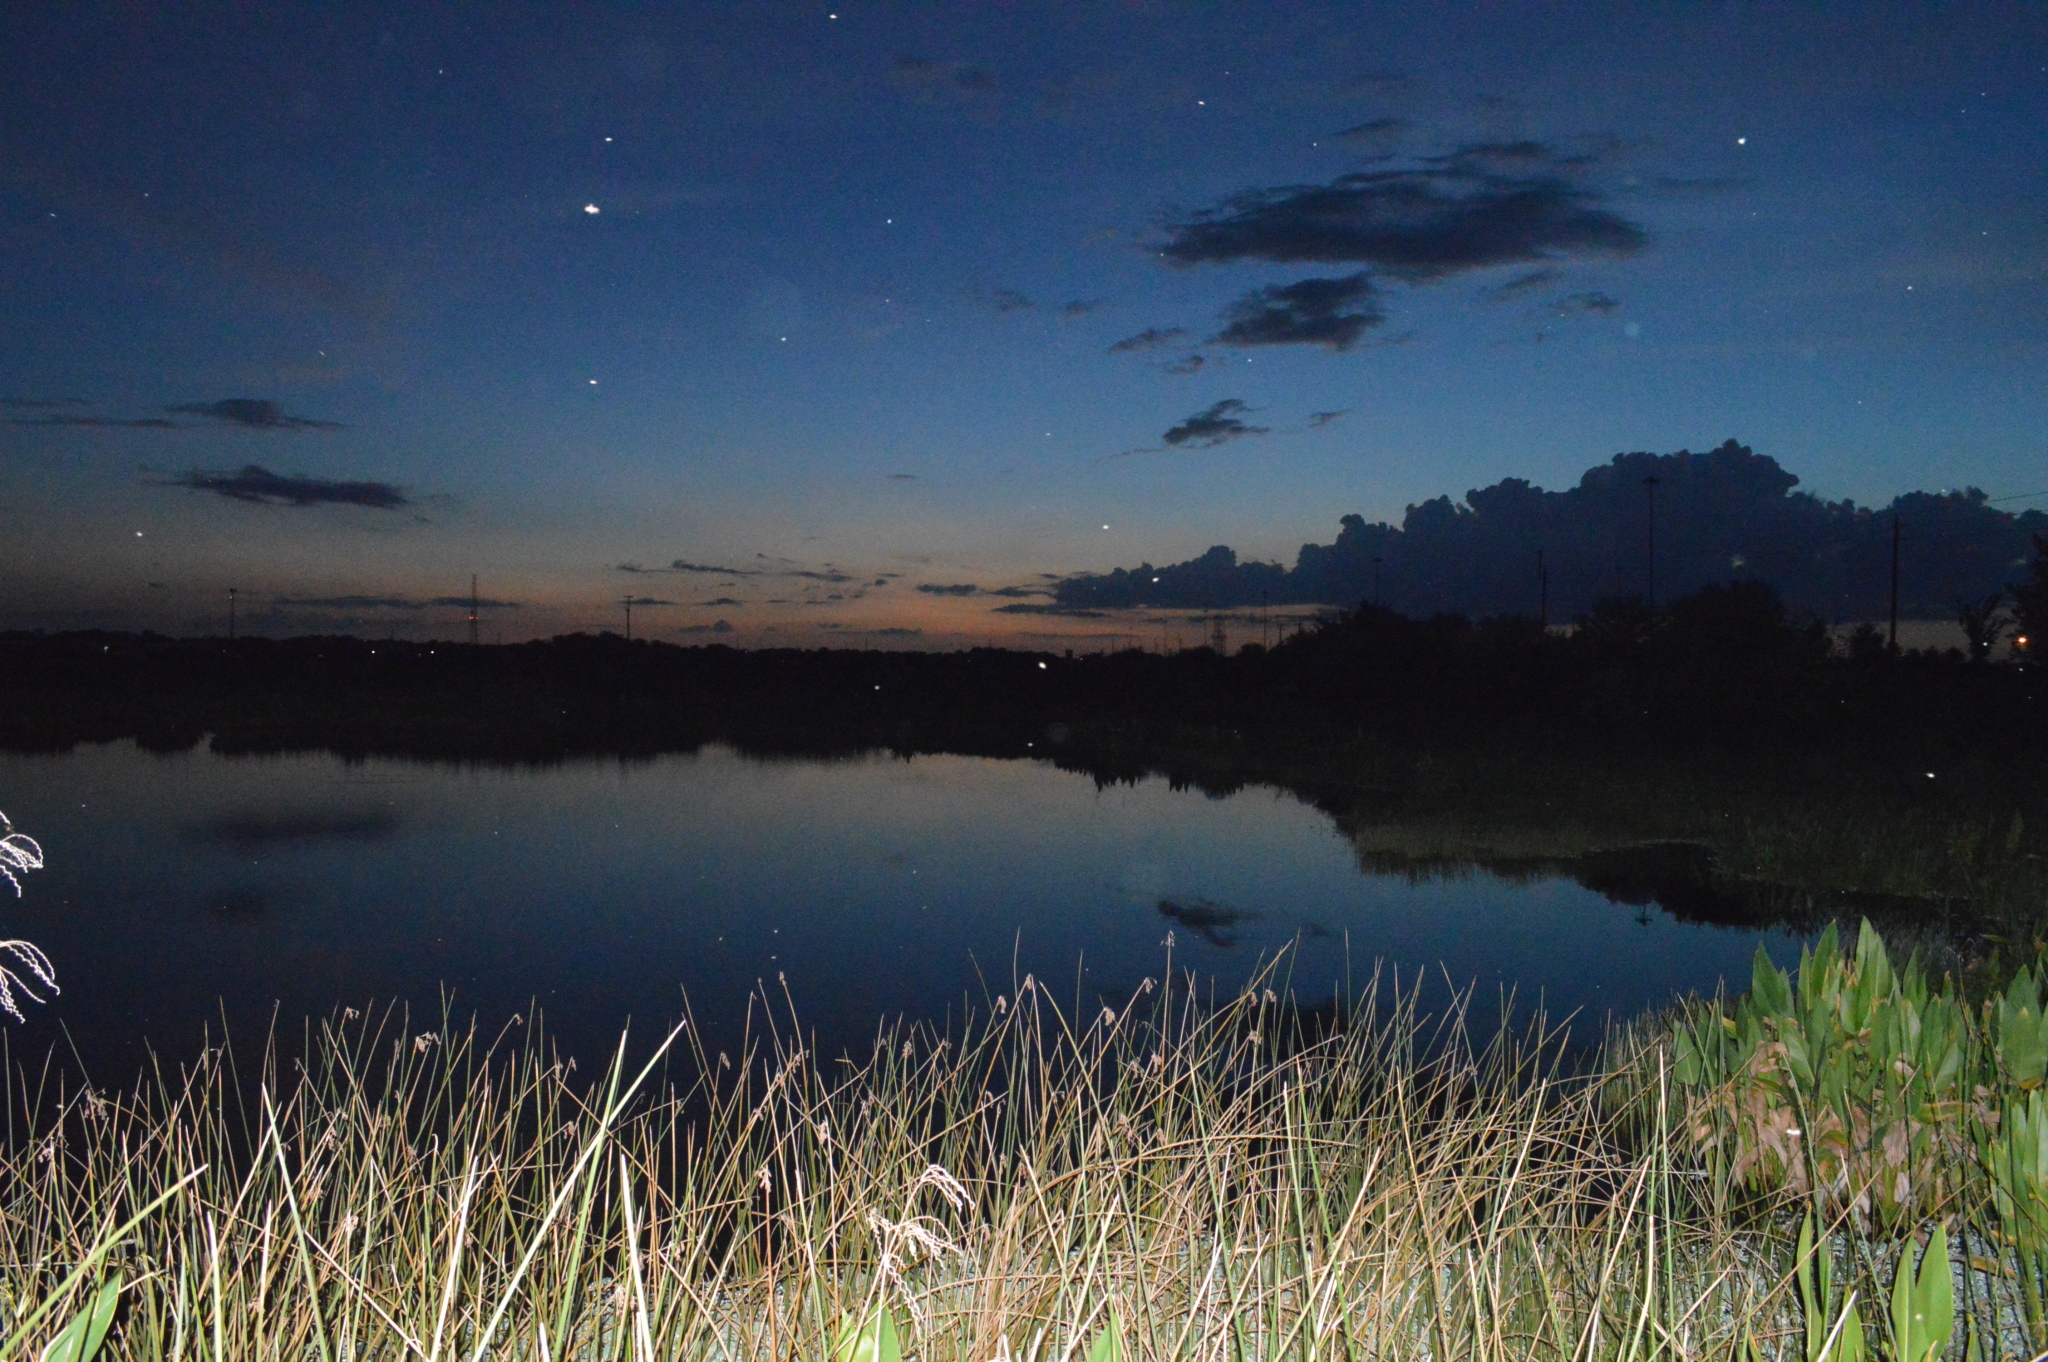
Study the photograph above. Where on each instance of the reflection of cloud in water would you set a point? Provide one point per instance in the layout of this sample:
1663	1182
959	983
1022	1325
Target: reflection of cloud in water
255	827
1210	921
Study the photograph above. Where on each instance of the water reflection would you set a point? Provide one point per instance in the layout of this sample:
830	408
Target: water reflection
187	887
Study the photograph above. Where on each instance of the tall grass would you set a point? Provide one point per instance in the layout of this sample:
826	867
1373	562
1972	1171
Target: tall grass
1222	1178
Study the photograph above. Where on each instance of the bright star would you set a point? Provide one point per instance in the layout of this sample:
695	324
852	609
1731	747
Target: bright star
1741	141
591	209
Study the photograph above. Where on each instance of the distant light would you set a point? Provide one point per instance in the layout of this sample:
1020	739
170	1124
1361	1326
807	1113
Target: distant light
1741	141
1041	666
1105	527
607	139
1930	775
1155	579
593	383
591	209
138	535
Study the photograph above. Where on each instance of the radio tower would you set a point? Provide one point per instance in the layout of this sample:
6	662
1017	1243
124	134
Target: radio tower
1219	640
472	610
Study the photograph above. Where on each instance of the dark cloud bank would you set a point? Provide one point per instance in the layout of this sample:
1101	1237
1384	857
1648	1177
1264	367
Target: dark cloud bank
1484	206
1728	514
254	483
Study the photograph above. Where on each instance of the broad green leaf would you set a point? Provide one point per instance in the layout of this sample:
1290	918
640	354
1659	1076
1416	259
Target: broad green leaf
1109	1344
79	1341
873	1341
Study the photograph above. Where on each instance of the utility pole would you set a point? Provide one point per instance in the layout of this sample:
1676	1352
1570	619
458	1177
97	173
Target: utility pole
1378	596
629	619
1650	485
1542	592
1219	640
231	614
472	610
1893	644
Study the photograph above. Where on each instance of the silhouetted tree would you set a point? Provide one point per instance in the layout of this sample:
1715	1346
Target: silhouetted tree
2030	598
1984	623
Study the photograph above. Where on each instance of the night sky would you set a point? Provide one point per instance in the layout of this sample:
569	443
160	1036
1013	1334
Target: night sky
768	315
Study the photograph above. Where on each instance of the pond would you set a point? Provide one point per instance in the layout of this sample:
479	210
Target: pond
185	889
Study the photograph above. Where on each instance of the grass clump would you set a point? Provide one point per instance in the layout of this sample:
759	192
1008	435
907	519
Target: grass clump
1184	1177
1219	1178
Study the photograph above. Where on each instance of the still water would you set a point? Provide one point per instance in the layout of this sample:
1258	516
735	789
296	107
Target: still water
186	887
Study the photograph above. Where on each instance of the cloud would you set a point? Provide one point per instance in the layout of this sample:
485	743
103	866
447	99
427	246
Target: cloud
1080	307
1192	364
352	602
896	631
1213	426
482	603
1318	419
40	403
1593	301
252	413
683	565
722	600
1488	204
649	600
721	627
903	477
949	589
921	73
1009	300
1379	136
1533	279
1151	338
100	422
1068	611
1327	312
1020	591
254	483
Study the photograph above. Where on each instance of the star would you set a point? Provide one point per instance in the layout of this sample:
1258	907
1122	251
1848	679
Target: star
591	209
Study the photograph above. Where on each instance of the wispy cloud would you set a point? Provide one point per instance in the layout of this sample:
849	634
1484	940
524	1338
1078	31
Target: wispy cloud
252	413
1593	301
254	483
1080	307
1215	425
684	565
100	422
949	588
41	403
1318	419
1327	312
903	477
1151	338
1190	364
721	627
1009	300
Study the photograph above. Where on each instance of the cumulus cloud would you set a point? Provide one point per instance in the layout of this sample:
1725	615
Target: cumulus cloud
1487	204
1151	338
252	413
254	483
949	589
1326	312
1215	425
